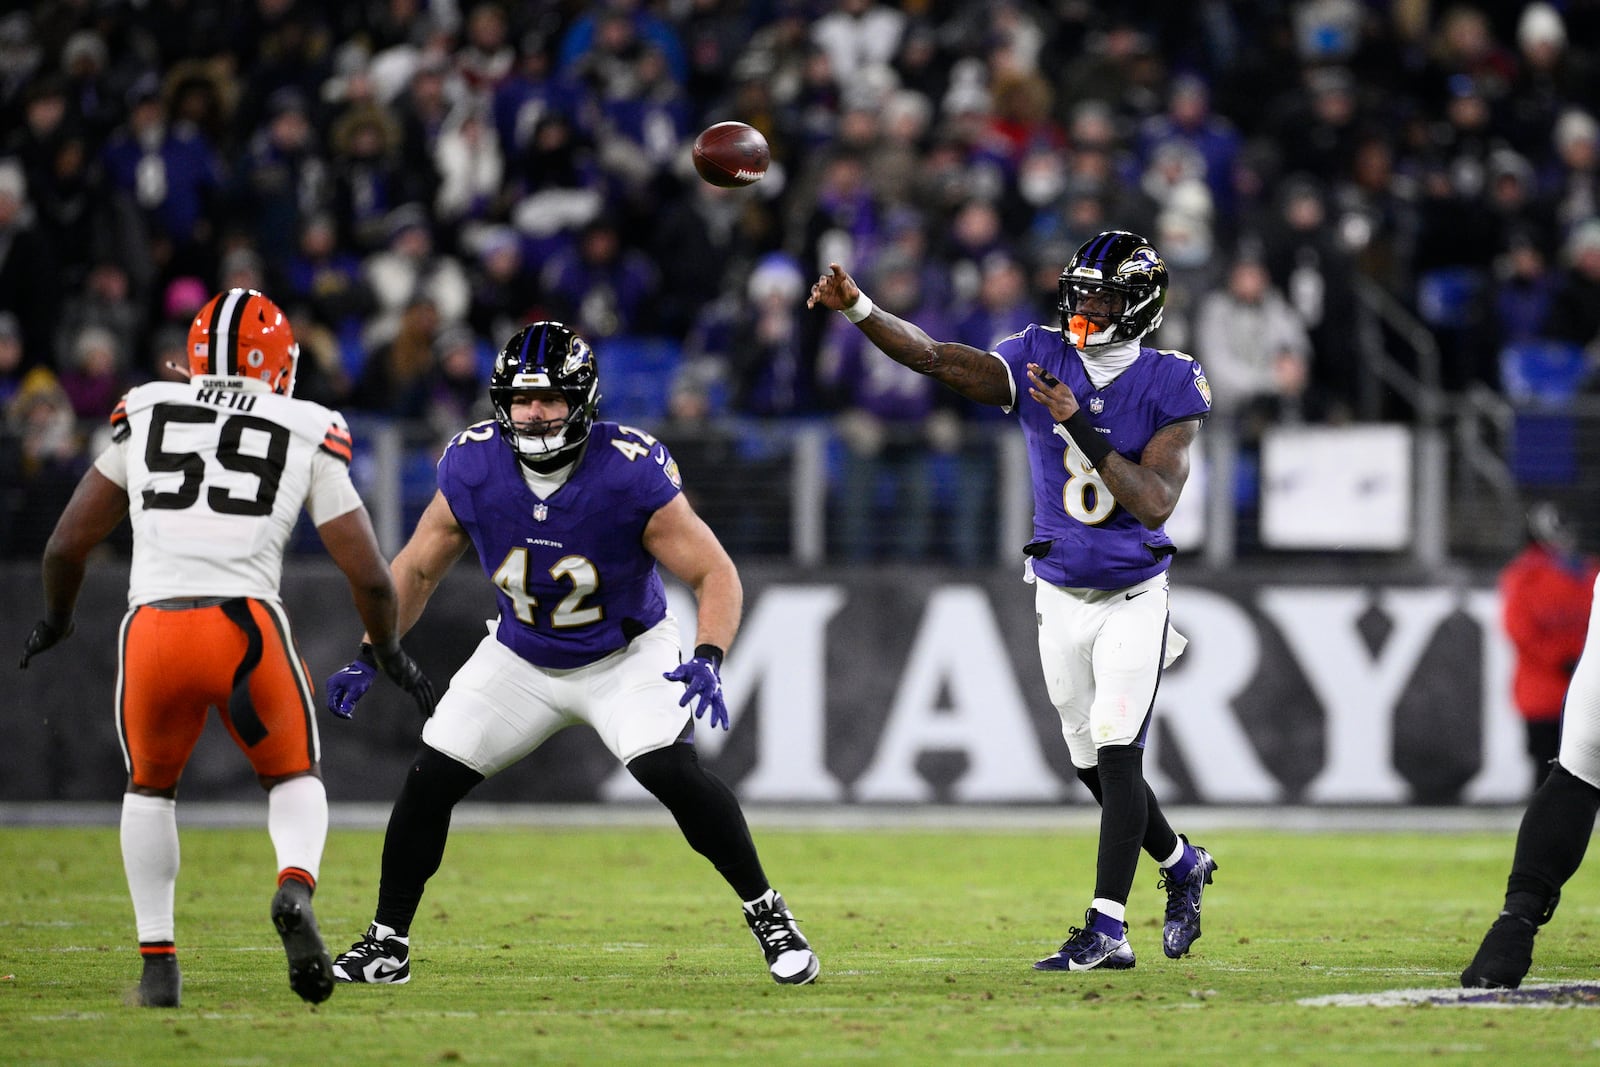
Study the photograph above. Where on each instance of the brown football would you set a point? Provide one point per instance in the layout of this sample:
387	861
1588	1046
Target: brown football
731	154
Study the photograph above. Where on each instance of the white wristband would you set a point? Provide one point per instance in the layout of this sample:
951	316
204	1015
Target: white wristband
859	310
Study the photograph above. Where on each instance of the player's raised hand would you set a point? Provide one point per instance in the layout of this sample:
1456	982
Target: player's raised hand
835	290
44	636
701	683
1052	392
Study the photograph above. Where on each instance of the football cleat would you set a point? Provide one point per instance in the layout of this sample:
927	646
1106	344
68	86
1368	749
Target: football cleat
1182	927
1087	949
1505	955
161	984
310	970
382	956
789	955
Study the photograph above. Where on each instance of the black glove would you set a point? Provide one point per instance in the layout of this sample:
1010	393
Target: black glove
403	671
44	636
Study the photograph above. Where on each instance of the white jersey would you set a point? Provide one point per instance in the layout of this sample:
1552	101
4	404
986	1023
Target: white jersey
217	471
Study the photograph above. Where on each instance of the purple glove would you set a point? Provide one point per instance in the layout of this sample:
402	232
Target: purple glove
700	682
347	686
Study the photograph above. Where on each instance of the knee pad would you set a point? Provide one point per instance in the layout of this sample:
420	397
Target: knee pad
667	771
437	778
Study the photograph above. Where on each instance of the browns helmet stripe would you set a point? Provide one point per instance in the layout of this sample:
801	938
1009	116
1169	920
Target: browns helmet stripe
224	332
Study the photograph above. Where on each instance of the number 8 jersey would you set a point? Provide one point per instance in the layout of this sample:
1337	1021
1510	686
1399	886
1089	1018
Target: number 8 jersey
217	471
1082	539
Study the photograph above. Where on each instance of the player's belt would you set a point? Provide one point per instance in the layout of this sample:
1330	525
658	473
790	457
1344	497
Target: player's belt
187	603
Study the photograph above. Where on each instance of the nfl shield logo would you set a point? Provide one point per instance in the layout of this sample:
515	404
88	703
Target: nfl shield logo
540	511
1096	405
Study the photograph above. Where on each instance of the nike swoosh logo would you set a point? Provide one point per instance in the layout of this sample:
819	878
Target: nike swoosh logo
1130	596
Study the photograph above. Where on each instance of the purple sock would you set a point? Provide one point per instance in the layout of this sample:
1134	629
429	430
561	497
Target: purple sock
1104	924
1180	871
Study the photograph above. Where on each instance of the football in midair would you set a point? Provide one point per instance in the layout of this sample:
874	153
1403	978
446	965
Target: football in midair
731	154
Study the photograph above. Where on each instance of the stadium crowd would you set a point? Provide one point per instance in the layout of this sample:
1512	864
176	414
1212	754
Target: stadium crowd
413	180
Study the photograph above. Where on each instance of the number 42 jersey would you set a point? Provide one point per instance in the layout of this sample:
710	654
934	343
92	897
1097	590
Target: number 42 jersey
217	471
571	574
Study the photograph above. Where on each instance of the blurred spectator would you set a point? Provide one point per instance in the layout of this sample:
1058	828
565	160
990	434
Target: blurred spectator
887	423
1524	288
528	93
173	174
471	168
558	184
722	232
92	374
169	355
1255	350
976	233
609	30
778	53
105	302
603	287
409	270
1022	122
1545	596
11	368
423	112
458	396
326	278
759	337
91	98
485	58
1211	141
396	378
1377	216
714	32
1575	183
744	497
858	35
1550	77
505	290
1319	126
1184	233
1310	267
1464	43
1517	213
642	122
27	265
241	268
369	181
1575	307
282	179
41	461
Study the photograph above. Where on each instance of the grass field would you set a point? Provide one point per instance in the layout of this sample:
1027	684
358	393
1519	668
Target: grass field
618	946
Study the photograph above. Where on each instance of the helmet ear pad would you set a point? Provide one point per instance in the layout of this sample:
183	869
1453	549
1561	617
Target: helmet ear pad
1116	261
241	334
543	356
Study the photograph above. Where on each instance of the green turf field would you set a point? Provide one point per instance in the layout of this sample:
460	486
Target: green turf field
621	946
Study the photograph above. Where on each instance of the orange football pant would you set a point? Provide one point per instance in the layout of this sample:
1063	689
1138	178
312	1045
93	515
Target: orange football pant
177	662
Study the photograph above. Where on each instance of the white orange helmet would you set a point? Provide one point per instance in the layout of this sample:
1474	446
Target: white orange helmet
242	334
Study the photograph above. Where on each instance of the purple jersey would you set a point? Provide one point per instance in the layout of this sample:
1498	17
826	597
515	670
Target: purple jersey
571	574
1082	538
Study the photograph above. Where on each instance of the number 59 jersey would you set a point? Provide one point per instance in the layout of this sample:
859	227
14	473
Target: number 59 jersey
217	471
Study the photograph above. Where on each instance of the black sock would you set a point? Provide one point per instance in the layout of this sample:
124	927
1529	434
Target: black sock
1160	839
706	811
1551	842
1124	810
413	846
